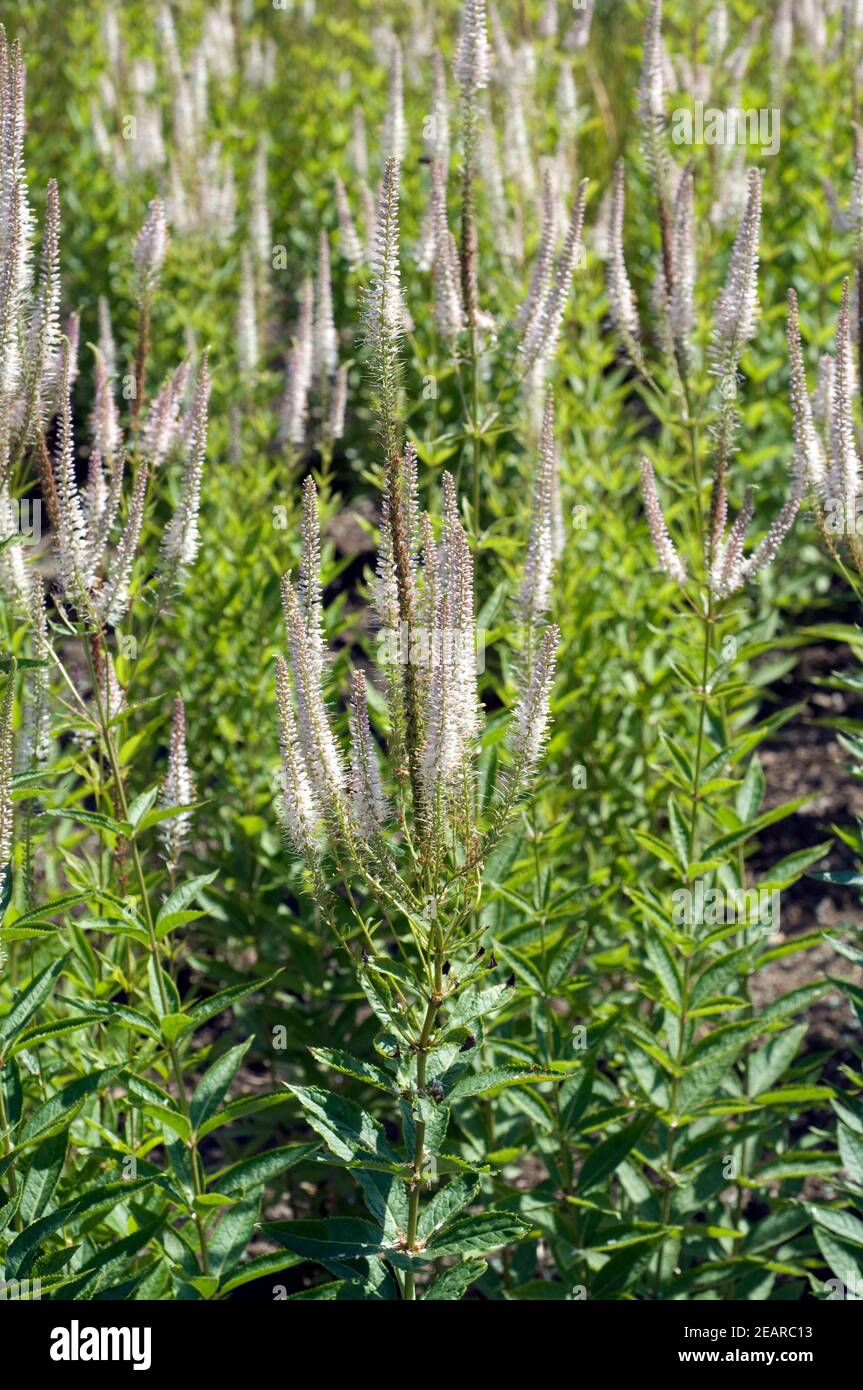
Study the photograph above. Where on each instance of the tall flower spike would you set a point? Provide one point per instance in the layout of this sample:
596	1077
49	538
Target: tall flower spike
178	789
105	428
651	92
441	754
74	560
394	128
13	566
530	724
449	314
542	266
367	793
310	596
539	347
181	540
44	328
151	247
338	404
107	345
300	813
112	601
461	605
737	305
844	476
669	561
6	763
384	309
295	408
10	304
351	245
260	230
808	450
322	756
726	573
438	136
472	67
534	596
768	548
621	297
325	354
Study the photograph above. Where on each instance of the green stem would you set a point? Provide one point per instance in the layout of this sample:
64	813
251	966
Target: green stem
432	1007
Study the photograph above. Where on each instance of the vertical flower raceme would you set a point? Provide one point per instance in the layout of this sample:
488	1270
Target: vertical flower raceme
111	602
309	589
6	803
540	344
260	230
151	248
367	794
534	596
324	341
351	246
736	312
75	561
181	539
621	297
338	405
438	134
809	465
384	311
43	330
531	719
544	262
300	813
472	67
323	758
844	475
295	408
178	789
449	314
669	560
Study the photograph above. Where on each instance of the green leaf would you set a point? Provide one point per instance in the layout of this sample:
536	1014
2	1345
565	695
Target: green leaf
663	967
773	1059
477	1083
217	1003
214	1084
250	1174
840	1223
452	1284
339	1238
233	1233
750	794
851	1153
109	823
447	1201
27	1001
23	1250
179	900
258	1268
474	1235
352	1066
345	1128
611	1152
42	1177
59	1110
141	805
679	831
